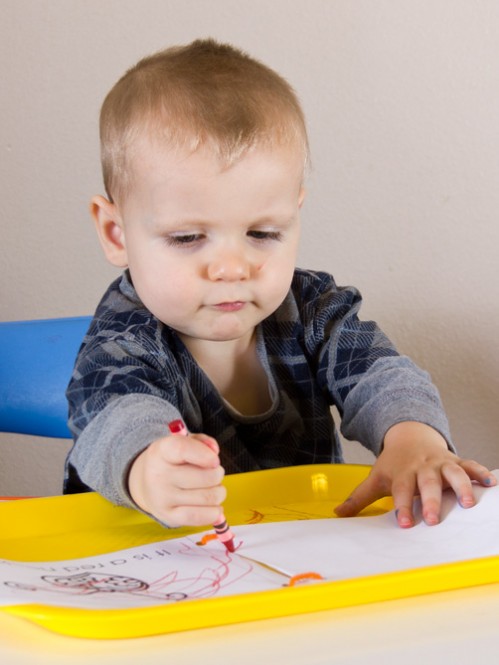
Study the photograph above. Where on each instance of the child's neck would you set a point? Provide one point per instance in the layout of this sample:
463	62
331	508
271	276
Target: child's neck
235	370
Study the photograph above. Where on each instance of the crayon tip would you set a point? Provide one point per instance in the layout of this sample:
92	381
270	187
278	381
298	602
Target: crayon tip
229	544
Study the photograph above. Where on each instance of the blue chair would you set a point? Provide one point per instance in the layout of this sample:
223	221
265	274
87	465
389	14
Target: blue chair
36	362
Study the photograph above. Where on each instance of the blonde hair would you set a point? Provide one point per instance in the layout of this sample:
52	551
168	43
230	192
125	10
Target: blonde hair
188	96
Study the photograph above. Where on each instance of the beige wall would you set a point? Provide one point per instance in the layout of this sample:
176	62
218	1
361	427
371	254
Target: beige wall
402	99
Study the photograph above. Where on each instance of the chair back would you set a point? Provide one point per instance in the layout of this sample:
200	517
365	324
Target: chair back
36	362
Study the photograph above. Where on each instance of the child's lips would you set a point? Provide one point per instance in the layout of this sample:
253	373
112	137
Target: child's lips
233	306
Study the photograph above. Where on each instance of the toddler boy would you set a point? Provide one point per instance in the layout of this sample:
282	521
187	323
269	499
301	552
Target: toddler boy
204	152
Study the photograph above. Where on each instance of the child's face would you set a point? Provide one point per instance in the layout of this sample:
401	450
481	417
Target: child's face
211	252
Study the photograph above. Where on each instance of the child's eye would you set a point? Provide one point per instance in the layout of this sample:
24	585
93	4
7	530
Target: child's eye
183	240
265	235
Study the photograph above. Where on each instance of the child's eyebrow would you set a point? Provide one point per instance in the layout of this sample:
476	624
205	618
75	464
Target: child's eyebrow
188	223
281	220
176	224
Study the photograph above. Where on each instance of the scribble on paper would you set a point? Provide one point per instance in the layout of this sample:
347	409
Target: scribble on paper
213	572
87	583
179	571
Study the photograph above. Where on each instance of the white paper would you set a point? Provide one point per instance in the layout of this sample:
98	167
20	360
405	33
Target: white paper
180	569
359	546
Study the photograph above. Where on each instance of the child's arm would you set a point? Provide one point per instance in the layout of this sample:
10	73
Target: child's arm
416	460
178	479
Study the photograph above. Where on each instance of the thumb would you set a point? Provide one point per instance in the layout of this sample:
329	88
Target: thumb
362	496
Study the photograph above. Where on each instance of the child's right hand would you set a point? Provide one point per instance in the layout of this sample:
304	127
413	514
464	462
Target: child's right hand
177	479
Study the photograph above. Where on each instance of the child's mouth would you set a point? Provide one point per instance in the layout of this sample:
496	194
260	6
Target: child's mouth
230	306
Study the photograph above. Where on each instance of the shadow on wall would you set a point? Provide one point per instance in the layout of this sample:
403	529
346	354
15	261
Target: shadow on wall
463	361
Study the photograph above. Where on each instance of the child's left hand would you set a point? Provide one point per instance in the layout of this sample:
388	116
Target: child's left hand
416	461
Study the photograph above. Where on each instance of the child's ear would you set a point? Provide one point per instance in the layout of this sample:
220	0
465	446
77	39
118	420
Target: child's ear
109	226
301	197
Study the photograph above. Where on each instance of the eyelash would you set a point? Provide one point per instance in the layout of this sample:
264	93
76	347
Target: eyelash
183	241
265	235
190	239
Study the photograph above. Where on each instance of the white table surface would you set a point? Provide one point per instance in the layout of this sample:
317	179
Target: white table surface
455	627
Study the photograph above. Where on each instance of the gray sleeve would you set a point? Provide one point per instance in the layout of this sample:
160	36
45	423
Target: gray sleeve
391	391
108	445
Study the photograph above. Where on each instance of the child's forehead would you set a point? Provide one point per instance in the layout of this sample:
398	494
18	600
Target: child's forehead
151	153
154	166
181	183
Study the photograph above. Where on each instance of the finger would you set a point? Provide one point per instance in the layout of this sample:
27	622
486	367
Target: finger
479	473
363	495
194	507
189	477
200	506
191	516
179	449
204	438
203	497
429	483
460	482
208	441
403	492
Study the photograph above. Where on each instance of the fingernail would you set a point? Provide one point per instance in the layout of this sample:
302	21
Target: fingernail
468	502
403	521
432	520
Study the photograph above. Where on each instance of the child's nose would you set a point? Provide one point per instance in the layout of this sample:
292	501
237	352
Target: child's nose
229	266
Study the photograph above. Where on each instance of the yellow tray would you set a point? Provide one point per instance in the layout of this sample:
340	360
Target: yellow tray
58	528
